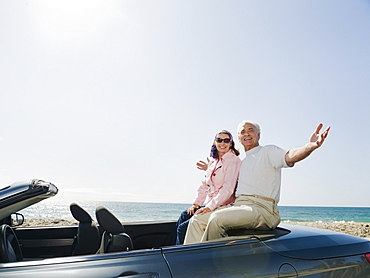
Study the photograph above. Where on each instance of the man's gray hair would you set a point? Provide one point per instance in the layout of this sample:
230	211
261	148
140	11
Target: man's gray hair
241	125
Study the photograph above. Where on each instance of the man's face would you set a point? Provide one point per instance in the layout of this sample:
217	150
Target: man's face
248	136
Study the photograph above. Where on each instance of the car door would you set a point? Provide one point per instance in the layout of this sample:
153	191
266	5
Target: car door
232	258
133	264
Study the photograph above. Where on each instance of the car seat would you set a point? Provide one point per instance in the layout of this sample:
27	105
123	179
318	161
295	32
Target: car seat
87	240
114	238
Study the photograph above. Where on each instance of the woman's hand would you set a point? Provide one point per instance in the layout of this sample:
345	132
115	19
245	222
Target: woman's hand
202	210
202	165
192	209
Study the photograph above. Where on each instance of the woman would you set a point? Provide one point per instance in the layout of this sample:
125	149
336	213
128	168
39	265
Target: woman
217	189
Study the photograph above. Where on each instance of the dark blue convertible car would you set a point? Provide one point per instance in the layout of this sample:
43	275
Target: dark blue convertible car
111	248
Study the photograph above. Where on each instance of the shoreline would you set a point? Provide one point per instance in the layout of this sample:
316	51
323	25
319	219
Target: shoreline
359	229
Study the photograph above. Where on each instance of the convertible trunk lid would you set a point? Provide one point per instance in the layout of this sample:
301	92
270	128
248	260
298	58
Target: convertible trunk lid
317	243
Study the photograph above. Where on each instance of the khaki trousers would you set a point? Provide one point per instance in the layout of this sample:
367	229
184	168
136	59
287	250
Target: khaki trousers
247	212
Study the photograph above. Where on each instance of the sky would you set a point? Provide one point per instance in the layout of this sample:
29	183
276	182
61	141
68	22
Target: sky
117	100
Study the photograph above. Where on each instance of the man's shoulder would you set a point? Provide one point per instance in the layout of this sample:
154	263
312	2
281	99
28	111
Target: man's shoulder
276	155
271	148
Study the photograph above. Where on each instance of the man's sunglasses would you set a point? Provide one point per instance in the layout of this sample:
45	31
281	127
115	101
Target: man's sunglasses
226	140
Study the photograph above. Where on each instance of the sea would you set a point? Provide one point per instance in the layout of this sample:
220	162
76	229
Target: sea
134	211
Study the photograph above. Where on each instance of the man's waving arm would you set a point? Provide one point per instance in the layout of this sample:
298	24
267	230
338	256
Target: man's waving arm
316	140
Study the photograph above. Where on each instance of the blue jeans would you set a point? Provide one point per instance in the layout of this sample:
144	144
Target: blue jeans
182	226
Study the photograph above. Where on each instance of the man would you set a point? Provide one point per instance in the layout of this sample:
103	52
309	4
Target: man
258	189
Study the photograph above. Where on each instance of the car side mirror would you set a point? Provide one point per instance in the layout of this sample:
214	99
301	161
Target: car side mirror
17	219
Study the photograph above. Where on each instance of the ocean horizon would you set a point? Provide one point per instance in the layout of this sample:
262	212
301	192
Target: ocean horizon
137	211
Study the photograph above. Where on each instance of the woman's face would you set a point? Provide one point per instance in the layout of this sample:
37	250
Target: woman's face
222	147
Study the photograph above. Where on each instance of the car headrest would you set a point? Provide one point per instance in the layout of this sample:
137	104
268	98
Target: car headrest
79	213
108	221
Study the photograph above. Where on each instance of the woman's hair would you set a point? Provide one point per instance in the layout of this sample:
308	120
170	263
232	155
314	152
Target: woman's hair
214	151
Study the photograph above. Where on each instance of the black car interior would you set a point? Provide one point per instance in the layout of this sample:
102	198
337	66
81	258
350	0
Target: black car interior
106	235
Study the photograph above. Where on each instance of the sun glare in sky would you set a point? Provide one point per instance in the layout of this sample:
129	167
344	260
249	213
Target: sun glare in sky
69	21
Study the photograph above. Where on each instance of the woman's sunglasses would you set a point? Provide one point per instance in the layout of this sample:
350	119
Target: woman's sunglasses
220	140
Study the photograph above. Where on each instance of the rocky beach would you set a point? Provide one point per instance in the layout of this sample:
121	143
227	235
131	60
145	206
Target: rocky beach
351	228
